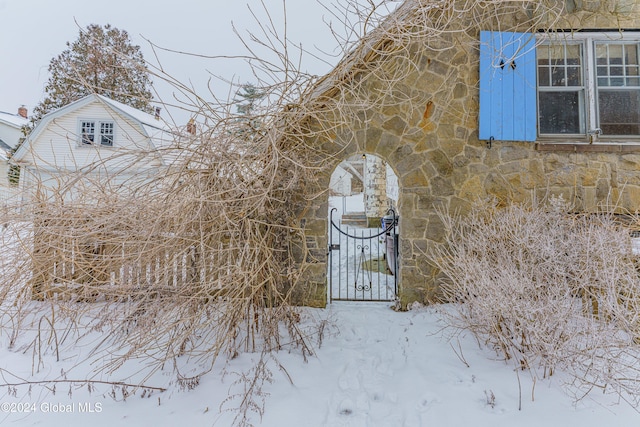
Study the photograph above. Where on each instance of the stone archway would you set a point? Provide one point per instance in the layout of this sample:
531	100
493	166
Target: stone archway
422	184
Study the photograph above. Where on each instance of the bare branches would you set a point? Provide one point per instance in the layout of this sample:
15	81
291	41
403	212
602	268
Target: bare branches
548	291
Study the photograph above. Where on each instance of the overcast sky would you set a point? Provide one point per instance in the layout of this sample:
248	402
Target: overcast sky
32	32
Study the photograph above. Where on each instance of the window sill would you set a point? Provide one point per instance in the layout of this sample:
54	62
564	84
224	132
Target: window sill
584	147
89	146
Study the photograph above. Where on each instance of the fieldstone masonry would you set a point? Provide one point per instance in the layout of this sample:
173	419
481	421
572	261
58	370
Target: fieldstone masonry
429	136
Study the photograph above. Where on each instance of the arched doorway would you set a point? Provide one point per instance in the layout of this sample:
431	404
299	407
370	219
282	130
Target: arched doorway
362	263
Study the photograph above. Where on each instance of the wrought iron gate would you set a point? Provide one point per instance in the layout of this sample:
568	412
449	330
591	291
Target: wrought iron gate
363	262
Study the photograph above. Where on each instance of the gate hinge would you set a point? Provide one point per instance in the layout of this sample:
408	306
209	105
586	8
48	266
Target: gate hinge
334	247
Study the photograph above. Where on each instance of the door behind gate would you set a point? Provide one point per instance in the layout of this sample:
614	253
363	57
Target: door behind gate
363	261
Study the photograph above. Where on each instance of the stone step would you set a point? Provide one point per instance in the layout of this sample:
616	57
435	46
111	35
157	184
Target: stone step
356	219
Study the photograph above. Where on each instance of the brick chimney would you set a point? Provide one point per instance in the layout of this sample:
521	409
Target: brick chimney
191	126
22	111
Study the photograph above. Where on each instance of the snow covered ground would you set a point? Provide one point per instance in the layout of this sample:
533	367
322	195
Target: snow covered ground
374	367
370	367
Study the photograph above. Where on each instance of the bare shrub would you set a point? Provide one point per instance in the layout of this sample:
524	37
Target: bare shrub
548	290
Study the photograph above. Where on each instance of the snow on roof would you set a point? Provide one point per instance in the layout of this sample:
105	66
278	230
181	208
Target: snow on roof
144	118
160	134
13	119
4	151
4	146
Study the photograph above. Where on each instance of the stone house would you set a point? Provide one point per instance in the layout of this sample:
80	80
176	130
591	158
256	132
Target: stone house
511	100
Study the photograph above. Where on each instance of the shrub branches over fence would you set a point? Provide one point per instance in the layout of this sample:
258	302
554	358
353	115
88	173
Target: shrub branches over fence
549	290
199	260
199	256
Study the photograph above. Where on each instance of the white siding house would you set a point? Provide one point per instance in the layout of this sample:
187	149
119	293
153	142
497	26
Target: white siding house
340	184
10	134
88	143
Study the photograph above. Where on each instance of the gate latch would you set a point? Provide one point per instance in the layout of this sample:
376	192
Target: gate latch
334	247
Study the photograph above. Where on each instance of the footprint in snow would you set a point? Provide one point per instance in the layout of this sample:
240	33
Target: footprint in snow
349	381
426	401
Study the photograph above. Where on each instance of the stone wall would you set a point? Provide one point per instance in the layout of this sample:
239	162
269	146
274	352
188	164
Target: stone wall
428	133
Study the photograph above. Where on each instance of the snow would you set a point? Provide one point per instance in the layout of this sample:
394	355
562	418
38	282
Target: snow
347	204
13	119
371	367
374	367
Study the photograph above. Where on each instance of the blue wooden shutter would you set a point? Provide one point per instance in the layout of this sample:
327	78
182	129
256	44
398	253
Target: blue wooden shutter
507	86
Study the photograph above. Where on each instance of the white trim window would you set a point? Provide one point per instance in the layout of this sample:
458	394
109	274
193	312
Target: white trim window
87	132
589	86
96	132
106	133
565	87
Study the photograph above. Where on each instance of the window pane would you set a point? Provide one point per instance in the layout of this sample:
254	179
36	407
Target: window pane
619	112
631	54
616	71
560	112
615	62
543	76
601	54
615	54
556	54
565	65
574	54
542	54
557	76
106	131
88	132
616	81
574	76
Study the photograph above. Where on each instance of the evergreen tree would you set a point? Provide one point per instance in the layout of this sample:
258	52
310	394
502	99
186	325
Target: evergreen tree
102	60
249	123
249	96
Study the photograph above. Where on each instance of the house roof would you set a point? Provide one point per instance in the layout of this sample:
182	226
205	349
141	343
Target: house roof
4	150
13	120
158	132
144	118
4	146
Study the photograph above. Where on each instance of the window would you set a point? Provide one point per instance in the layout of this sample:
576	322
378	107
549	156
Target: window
582	86
106	133
561	90
88	132
618	88
589	86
